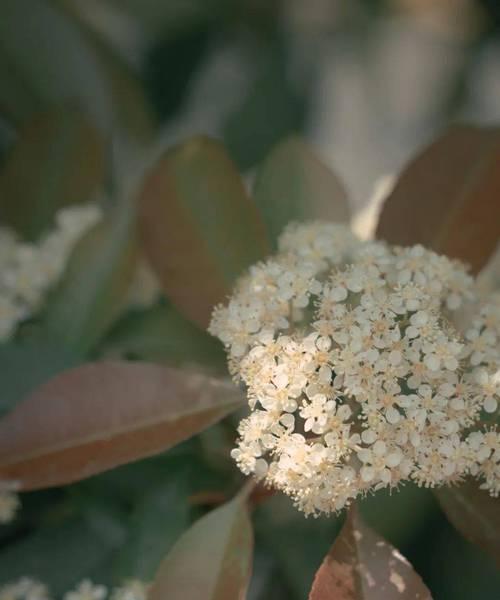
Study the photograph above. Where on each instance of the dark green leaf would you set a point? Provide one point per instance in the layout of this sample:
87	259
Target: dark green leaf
271	110
44	60
58	555
156	524
474	513
162	334
294	185
93	288
26	365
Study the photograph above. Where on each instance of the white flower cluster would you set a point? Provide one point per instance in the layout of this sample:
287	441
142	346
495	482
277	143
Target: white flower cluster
357	377
30	589
28	270
9	503
24	589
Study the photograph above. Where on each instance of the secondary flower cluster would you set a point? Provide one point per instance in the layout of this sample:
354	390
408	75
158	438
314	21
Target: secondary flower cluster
30	589
28	270
359	375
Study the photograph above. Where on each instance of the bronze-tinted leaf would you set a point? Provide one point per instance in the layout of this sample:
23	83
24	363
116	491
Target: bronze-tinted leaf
199	228
474	513
294	185
212	560
102	415
361	565
57	160
94	286
447	197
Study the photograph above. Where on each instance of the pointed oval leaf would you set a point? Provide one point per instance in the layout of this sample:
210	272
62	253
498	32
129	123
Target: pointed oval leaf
44	61
212	560
92	290
199	228
294	185
447	197
161	334
102	415
474	513
361	565
58	160
26	364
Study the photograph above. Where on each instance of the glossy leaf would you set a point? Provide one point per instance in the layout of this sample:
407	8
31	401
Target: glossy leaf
45	61
60	555
272	108
58	160
156	524
361	565
294	185
447	197
162	334
212	560
27	364
199	228
474	513
102	415
93	288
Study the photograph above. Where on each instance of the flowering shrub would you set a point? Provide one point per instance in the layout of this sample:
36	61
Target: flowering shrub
357	377
367	366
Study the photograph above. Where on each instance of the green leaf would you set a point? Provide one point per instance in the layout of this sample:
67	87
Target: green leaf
58	555
271	110
132	113
26	365
294	185
447	197
156	523
44	60
474	513
212	560
297	544
58	160
200	230
93	288
162	334
361	565
98	416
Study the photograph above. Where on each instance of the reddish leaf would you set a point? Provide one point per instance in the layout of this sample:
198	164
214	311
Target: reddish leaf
199	228
57	160
294	185
361	565
474	513
212	560
102	415
447	197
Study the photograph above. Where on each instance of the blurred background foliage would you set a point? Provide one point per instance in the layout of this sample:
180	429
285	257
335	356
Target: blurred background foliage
367	82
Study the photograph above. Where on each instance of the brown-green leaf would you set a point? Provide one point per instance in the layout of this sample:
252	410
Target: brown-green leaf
474	513
200	230
57	160
93	288
102	415
212	560
294	185
447	197
361	565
